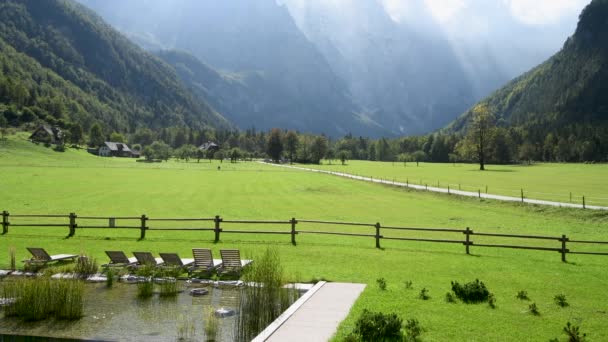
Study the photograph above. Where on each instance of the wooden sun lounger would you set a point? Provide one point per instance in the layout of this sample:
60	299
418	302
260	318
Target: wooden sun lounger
203	261
119	258
40	256
232	262
172	259
146	258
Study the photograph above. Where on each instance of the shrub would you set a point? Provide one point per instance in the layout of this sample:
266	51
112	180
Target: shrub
573	332
560	300
471	292
408	284
492	301
424	294
534	309
377	326
381	283
413	330
523	295
450	298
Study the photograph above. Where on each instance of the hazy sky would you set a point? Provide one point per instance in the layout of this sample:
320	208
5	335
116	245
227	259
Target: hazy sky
529	12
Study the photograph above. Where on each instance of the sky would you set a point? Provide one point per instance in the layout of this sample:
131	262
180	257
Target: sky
528	12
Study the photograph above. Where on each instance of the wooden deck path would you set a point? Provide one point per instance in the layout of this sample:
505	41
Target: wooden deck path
316	315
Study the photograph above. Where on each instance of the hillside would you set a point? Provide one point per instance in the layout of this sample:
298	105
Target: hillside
565	93
61	63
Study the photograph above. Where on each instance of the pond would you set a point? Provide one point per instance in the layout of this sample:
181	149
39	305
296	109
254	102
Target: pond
117	314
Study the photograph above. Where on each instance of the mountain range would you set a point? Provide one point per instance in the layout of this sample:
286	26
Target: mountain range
334	67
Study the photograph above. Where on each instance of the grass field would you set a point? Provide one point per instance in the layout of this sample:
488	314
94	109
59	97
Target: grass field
554	182
36	180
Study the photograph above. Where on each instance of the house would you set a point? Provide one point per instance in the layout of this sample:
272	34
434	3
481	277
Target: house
48	135
209	146
116	149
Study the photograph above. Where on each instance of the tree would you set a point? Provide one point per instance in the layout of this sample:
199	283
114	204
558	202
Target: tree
157	150
143	136
480	132
96	137
76	133
419	156
117	137
186	152
330	155
318	150
274	145
3	125
344	156
291	144
235	154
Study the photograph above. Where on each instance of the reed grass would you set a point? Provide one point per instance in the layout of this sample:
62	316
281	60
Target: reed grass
169	288
86	266
109	277
145	289
212	324
186	328
263	299
13	258
43	298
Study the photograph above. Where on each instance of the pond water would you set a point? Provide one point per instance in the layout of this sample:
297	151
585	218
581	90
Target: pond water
116	314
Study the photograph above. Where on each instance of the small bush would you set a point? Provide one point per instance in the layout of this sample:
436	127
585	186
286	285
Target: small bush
381	283
413	330
408	285
522	295
450	298
376	326
424	294
534	309
492	301
471	292
574	333
560	300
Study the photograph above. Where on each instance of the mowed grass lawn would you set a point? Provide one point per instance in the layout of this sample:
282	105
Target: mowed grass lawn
554	182
36	180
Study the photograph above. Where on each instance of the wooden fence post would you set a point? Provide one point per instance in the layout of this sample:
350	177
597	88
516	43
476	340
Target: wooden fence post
217	229
142	227
478	193
467	242
563	251
293	230
378	235
486	189
584	202
5	223
72	224
522	195
448	189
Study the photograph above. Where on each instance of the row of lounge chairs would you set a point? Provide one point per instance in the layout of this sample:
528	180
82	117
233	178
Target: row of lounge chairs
203	261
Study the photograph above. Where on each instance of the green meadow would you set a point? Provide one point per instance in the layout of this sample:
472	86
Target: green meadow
554	182
37	180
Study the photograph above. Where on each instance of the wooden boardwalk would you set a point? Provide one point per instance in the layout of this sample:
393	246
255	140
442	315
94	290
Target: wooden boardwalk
316	315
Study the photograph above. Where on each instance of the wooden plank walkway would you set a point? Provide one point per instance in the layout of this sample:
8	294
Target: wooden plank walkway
316	315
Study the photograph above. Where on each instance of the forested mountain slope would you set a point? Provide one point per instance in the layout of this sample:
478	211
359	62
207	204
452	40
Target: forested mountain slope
561	106
60	62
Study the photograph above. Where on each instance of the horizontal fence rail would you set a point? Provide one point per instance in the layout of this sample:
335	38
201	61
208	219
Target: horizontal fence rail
220	226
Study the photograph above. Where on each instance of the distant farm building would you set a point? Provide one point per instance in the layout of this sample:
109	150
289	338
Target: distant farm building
209	147
48	135
116	149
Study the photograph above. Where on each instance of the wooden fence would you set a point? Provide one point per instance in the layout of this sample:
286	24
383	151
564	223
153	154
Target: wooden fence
143	224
